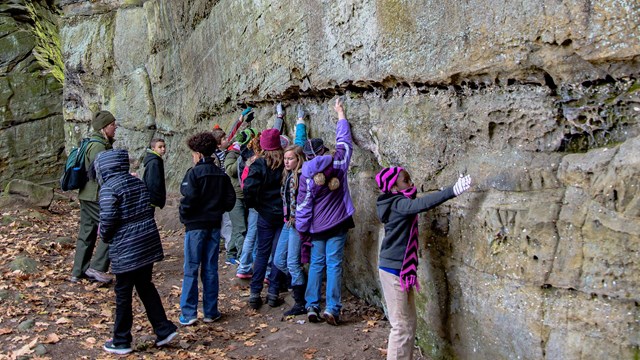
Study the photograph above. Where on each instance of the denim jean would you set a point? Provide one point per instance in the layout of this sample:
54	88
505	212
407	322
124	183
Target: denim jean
268	234
140	279
249	249
201	249
326	254
287	256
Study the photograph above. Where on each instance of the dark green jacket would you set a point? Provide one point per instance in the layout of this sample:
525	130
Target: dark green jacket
231	168
89	192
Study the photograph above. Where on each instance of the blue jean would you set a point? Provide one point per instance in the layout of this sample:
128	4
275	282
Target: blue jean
326	253
268	233
249	249
201	249
287	257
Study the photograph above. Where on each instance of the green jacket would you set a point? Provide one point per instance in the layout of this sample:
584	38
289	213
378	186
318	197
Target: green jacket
89	192
231	168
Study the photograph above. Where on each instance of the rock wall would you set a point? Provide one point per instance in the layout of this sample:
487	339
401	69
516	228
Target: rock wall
31	122
538	100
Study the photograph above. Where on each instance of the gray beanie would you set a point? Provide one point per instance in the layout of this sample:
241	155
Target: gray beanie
101	119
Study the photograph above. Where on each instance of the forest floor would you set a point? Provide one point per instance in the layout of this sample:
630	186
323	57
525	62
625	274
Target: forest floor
44	316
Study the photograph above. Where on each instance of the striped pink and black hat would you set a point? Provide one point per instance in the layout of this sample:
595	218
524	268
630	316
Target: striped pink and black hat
387	177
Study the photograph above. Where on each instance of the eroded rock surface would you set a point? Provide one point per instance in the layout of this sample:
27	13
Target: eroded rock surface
538	100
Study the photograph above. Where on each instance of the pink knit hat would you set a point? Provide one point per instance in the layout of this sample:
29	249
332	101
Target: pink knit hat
270	140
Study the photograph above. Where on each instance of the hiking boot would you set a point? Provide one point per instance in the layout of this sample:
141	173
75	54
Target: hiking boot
297	309
274	300
255	301
121	349
166	340
98	276
312	314
298	297
330	318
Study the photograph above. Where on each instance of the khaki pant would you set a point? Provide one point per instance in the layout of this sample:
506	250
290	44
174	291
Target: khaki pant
401	309
87	241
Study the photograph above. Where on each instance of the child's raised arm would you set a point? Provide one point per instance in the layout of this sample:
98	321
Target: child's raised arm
407	206
344	145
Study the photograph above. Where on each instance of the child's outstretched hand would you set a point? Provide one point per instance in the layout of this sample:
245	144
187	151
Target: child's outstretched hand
463	184
339	107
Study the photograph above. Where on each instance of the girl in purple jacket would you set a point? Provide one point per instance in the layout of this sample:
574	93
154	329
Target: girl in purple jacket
324	215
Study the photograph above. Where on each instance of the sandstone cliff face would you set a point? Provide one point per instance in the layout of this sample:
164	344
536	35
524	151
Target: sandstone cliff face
31	132
538	100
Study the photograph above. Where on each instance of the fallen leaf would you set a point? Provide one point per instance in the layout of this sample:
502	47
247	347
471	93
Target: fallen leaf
51	339
249	343
5	331
63	320
273	330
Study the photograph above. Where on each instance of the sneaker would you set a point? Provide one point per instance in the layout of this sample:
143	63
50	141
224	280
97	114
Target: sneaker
166	340
232	261
98	276
211	319
279	110
330	318
186	322
244	276
255	301
121	349
312	314
274	300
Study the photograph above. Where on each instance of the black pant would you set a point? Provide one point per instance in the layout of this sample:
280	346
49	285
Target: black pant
141	279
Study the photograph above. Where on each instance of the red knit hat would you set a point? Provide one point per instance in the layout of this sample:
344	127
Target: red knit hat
270	140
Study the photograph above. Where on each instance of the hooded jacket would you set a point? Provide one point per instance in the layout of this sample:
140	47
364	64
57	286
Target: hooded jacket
396	212
320	209
89	192
126	219
153	177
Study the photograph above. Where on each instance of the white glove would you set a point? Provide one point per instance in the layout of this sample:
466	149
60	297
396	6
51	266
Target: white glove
300	112
279	110
463	184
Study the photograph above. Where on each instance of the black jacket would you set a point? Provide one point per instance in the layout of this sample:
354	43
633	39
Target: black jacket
153	177
207	193
262	191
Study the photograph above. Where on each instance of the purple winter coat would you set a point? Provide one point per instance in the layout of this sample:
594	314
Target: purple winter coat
320	209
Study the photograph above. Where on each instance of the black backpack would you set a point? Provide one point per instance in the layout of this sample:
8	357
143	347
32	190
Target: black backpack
75	173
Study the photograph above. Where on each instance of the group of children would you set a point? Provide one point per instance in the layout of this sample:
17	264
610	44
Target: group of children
289	204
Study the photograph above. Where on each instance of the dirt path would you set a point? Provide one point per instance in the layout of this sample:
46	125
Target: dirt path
73	320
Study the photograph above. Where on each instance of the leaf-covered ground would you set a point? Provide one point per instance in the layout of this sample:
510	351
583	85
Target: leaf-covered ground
44	316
